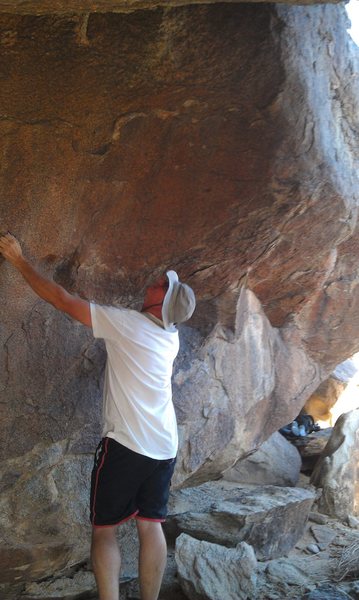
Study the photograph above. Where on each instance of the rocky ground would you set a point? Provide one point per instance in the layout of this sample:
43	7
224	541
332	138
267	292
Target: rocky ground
313	569
238	538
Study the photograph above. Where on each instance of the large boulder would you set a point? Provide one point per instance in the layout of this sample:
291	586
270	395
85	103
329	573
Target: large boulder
139	151
336	471
84	7
271	519
197	137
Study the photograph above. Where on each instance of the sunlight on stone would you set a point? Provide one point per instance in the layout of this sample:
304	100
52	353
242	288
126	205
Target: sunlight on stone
352	9
349	398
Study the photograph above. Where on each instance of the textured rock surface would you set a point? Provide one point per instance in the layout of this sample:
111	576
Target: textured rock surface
232	391
271	519
276	462
302	572
211	571
44	521
299	573
43	509
80	584
337	470
200	138
43	7
327	592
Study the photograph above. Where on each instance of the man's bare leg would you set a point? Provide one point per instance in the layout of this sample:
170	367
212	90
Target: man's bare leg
152	558
106	562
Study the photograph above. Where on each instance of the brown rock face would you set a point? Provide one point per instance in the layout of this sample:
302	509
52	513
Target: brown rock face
43	7
216	140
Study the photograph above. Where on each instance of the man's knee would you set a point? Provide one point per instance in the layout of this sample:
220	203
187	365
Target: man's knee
149	530
103	535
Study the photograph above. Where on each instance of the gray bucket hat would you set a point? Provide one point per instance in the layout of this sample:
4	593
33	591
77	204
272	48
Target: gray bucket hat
179	302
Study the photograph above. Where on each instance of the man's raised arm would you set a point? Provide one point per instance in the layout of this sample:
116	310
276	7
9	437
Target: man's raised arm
45	288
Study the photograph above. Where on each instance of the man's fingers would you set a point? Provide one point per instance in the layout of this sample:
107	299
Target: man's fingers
7	237
9	246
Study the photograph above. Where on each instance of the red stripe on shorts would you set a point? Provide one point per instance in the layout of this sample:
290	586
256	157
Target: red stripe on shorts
148	519
96	484
119	523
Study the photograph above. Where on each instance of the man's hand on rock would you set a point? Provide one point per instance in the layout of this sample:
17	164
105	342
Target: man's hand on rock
10	248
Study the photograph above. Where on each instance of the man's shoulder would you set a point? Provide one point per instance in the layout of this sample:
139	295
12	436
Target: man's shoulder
109	308
109	321
110	314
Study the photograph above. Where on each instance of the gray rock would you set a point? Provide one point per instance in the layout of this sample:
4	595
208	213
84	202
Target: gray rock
351	588
293	576
80	584
211	571
353	522
286	571
313	548
269	518
318	518
346	370
327	592
276	462
249	371
323	535
52	529
336	470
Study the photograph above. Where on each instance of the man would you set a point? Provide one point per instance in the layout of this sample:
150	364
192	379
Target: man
135	459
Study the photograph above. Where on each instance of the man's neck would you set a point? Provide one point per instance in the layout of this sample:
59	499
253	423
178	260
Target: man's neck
154	309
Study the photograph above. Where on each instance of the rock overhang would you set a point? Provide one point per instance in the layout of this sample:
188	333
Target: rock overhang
198	120
62	7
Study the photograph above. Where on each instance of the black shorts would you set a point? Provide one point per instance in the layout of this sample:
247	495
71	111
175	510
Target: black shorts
126	484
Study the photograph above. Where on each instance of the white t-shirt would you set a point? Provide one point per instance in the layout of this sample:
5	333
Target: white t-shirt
137	407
